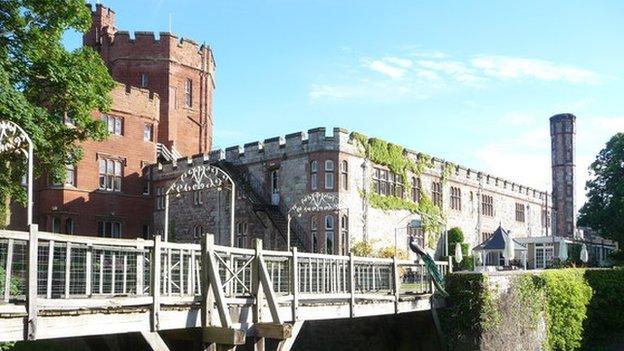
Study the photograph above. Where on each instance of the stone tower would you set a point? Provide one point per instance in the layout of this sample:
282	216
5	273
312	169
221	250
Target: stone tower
179	70
563	154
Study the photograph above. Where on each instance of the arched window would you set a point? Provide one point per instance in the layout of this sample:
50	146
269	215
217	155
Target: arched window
56	225
198	230
344	235
329	174
314	235
416	189
313	175
344	174
69	226
329	234
241	234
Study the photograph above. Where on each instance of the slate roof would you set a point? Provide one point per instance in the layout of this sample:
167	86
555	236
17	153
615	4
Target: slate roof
497	242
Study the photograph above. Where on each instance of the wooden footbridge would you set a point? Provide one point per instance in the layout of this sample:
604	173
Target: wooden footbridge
59	286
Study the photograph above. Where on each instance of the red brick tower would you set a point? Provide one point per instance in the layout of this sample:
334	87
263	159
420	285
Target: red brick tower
178	70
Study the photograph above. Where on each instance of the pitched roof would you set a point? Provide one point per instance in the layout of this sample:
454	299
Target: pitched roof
497	241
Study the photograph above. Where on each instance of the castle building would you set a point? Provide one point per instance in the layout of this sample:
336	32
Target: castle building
161	110
276	174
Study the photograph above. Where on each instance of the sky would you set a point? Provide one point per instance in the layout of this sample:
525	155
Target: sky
471	82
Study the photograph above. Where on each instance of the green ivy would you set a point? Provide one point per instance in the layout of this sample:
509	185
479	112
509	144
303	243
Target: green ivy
432	217
448	170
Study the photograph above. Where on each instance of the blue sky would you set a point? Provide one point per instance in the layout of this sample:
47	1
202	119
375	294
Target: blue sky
471	82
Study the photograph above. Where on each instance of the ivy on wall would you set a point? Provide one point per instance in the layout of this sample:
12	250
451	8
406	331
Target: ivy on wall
395	158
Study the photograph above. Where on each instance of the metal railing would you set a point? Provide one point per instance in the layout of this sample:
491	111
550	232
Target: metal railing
81	272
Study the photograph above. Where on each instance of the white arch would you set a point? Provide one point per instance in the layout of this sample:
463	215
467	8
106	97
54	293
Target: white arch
198	178
12	138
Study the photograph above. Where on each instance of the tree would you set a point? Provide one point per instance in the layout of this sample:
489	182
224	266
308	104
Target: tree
604	209
46	89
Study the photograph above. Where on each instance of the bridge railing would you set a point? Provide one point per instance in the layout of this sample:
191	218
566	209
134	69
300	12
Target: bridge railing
57	271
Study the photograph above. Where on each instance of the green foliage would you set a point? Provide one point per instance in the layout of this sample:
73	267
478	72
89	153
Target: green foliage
467	264
455	235
617	257
432	219
42	84
367	249
362	248
448	170
567	296
14	283
601	212
604	318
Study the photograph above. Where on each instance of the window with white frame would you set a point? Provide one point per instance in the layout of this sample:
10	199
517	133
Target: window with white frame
109	229
113	124
344	235
110	174
188	93
344	174
329	174
148	132
313	175
241	234
144	80
329	234
160	198
198	197
314	234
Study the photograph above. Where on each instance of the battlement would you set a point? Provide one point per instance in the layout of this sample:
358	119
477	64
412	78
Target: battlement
136	101
101	10
316	140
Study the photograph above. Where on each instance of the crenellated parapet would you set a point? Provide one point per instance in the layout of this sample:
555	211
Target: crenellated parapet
136	101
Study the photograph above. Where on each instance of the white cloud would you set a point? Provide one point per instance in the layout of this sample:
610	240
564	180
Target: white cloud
331	91
386	68
456	70
518	119
514	67
401	62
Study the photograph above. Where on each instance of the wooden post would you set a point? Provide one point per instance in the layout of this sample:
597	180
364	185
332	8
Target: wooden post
207	304
450	264
50	269
255	282
295	283
397	284
31	299
156	284
352	285
89	268
8	271
140	273
68	268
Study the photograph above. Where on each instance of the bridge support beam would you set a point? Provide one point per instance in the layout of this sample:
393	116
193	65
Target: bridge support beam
220	338
155	342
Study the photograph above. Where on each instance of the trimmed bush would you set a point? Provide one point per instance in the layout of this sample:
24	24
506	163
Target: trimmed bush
604	313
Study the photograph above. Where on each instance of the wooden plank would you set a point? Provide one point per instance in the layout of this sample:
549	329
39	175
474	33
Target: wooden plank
67	268
156	284
140	273
294	279
181	269
113	273
351	285
396	284
216	287
256	291
31	300
223	335
124	285
101	287
8	271
155	342
271	331
50	269
267	288
89	270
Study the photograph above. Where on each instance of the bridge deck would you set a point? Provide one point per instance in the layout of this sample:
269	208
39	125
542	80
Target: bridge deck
63	286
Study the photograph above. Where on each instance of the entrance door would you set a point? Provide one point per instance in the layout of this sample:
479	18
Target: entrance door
275	198
544	253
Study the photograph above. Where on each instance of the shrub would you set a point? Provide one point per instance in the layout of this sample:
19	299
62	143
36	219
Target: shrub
455	235
604	318
362	248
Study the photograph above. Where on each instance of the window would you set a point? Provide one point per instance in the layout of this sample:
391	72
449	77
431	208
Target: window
344	174
387	183
198	231
485	236
148	131
520	212
109	229
329	174
188	93
313	175
487	205
198	197
314	235
344	235
416	189
146	231
144	80
110	175
147	181
56	225
329	234
113	124
160	198
241	234
275	181
436	192
69	226
70	176
456	198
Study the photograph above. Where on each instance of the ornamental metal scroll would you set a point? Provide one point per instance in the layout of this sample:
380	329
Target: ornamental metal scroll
199	178
14	139
314	202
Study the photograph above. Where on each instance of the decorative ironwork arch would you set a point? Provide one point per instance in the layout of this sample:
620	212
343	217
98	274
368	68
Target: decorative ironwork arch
199	178
15	139
314	202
